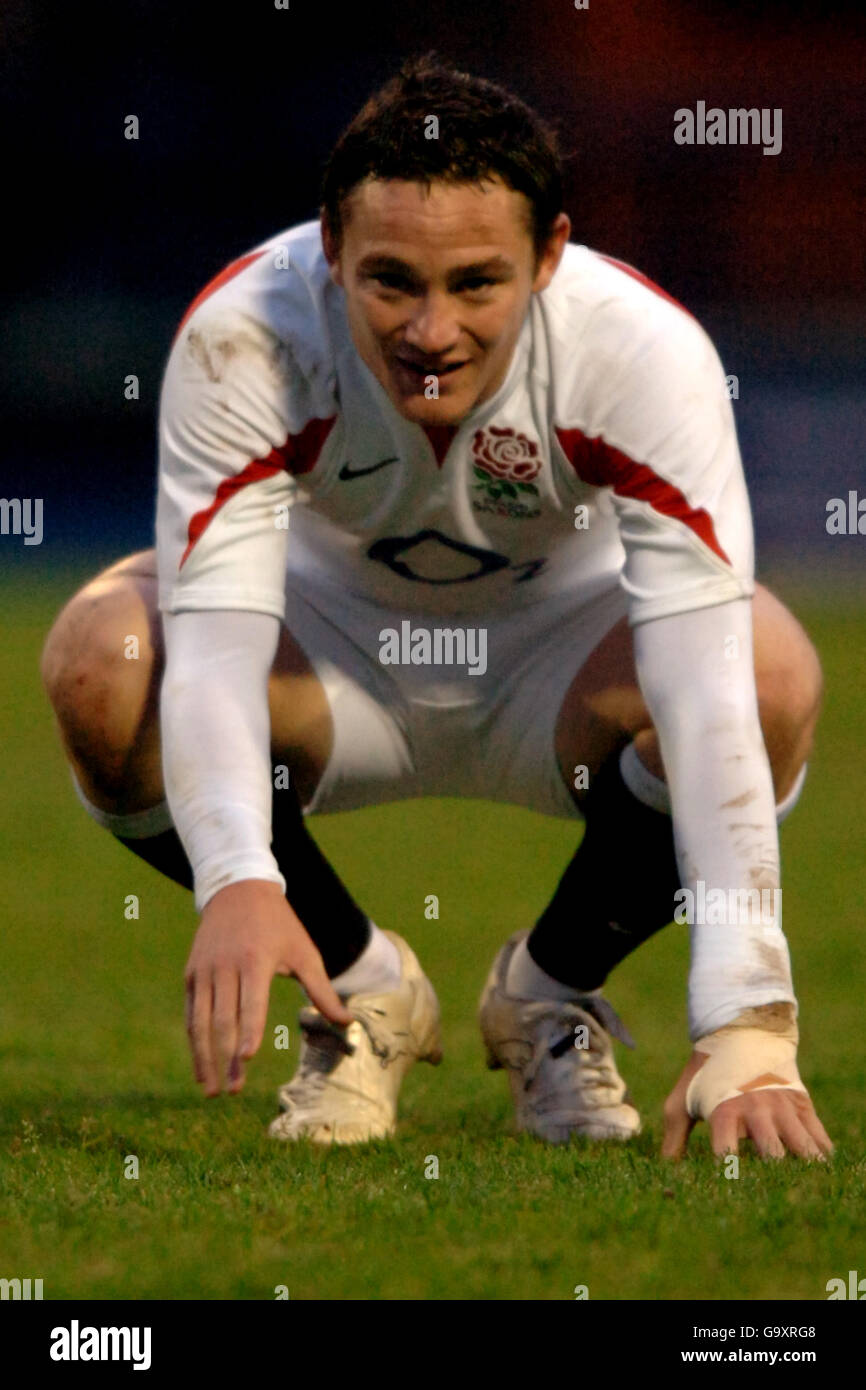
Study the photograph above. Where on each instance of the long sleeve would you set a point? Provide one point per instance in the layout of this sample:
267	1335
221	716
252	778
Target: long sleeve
696	673
233	404
216	744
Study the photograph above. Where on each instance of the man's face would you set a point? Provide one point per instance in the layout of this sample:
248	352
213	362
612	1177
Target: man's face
437	287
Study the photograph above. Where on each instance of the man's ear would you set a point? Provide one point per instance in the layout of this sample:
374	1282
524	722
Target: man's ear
331	249
550	257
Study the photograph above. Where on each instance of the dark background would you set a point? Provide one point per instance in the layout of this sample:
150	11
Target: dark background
109	239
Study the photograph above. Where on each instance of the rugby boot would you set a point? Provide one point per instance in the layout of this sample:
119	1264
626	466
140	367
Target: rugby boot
559	1059
348	1079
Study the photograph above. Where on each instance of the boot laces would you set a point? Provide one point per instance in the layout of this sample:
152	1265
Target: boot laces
327	1045
557	1024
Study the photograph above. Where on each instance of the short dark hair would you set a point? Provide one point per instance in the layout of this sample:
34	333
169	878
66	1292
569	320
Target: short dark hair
484	131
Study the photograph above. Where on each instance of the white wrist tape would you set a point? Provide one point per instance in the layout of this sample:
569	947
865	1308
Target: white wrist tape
737	1057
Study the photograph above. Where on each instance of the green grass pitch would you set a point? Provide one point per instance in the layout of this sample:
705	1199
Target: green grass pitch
95	1065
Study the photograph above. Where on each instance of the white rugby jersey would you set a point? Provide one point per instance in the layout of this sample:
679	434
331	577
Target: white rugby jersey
610	447
280	452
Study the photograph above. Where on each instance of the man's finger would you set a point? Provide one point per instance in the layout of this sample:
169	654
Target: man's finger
322	993
676	1136
199	1005
225	1019
255	992
189	1000
810	1119
794	1134
761	1129
820	1135
678	1123
726	1130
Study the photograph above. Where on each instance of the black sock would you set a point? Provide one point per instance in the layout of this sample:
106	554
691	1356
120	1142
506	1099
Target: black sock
617	891
166	853
327	909
333	919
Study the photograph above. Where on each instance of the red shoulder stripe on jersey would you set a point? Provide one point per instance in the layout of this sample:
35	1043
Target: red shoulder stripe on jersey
253	473
600	465
643	280
231	270
298	455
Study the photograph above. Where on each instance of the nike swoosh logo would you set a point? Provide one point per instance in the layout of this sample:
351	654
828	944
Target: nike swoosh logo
346	472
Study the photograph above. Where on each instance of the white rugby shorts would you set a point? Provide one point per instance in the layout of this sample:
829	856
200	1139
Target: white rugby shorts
412	730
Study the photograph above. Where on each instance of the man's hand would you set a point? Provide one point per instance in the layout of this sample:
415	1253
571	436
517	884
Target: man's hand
778	1121
248	933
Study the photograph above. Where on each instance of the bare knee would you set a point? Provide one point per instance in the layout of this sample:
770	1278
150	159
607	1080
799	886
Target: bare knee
95	639
99	668
603	708
302	728
790	686
790	690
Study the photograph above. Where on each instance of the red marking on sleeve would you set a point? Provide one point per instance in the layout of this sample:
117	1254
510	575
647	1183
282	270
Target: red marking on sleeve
644	280
600	465
297	456
231	270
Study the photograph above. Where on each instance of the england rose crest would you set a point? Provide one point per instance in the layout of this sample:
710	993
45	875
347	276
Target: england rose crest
504	462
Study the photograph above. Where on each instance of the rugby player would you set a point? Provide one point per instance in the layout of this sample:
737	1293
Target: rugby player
425	416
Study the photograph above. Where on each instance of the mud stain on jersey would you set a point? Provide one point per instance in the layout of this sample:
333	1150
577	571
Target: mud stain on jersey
212	357
217	352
